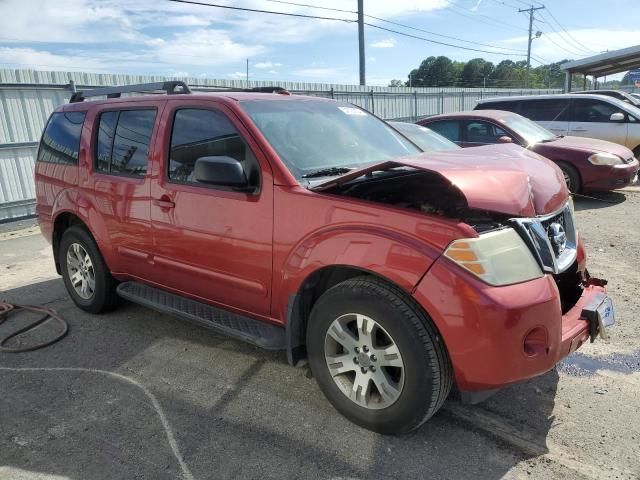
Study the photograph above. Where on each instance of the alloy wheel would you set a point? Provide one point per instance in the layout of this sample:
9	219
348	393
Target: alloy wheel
80	271
364	361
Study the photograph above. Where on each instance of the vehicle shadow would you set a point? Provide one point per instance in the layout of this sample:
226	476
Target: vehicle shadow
597	200
224	409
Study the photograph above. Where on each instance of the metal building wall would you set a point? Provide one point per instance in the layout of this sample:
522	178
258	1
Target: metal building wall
27	98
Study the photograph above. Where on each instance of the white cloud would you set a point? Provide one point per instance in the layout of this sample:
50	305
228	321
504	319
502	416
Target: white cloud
30	58
160	36
311	73
386	43
476	6
266	65
204	47
237	75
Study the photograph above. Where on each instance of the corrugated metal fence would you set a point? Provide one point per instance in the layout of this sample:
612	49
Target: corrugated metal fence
27	97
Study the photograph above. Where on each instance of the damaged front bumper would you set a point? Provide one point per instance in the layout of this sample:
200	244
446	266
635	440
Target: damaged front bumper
496	336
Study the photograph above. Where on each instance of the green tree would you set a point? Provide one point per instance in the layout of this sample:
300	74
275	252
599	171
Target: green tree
435	72
476	72
396	83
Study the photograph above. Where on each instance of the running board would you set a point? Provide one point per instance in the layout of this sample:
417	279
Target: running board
222	321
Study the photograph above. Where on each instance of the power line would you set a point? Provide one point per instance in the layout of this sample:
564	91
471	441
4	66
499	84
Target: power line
440	43
493	22
312	6
442	35
396	23
257	10
576	42
254	10
548	37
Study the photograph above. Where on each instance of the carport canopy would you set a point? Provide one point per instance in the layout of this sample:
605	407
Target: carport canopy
603	64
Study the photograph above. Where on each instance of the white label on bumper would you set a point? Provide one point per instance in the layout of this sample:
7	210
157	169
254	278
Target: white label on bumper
606	312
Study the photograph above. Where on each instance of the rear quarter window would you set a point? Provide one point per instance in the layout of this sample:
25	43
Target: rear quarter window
547	110
61	138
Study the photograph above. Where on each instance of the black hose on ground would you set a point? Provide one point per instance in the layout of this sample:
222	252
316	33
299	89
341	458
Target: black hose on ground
7	308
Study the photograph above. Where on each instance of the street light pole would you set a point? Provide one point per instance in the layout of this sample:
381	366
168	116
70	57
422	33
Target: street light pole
361	40
531	11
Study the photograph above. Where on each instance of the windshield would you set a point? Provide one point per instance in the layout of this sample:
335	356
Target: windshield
315	135
425	138
530	131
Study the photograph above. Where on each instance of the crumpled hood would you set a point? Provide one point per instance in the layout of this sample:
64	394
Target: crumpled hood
586	145
498	178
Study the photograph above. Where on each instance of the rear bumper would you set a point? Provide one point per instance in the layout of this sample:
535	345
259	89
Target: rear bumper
610	178
484	328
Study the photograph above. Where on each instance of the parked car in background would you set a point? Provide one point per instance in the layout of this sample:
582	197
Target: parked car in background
426	139
311	226
619	94
593	116
587	164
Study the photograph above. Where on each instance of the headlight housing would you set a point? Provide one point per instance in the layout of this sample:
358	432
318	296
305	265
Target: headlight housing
498	258
605	159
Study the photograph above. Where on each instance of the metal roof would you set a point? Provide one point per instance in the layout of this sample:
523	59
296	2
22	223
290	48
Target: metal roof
606	63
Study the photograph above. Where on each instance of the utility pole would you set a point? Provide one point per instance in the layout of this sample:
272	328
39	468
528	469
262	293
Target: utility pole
247	73
531	11
361	40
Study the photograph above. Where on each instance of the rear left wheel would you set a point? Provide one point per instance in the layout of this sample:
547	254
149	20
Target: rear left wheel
376	356
85	275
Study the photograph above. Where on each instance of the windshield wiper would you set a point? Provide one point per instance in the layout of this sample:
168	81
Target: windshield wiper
327	172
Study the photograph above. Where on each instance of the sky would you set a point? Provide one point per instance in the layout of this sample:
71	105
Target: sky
176	39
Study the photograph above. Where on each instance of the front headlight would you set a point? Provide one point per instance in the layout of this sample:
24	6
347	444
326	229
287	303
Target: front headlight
605	159
498	258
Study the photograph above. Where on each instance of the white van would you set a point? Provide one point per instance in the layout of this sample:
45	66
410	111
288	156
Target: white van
581	115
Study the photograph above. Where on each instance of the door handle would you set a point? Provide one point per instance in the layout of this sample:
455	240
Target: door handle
164	202
580	130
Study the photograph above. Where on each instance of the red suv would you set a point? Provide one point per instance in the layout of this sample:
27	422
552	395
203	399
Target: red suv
312	226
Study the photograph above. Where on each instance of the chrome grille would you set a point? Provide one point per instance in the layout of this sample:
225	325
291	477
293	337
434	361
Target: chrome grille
540	237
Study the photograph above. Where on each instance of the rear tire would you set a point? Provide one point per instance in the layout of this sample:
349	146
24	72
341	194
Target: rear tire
571	177
86	276
377	356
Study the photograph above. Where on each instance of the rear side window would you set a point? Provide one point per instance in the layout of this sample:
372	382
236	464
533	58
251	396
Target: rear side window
545	110
588	110
447	128
508	106
61	138
206	133
483	132
122	146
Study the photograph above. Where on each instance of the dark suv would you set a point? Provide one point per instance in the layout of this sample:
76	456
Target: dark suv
311	226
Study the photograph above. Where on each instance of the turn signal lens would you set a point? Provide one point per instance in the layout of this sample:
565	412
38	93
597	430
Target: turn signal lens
498	258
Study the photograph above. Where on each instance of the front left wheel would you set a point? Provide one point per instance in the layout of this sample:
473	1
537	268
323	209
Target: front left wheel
377	357
85	275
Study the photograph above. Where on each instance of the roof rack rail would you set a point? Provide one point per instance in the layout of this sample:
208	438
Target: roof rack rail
280	90
172	87
221	88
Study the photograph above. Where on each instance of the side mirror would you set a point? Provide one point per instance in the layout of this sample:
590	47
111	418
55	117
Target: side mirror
505	139
617	117
221	170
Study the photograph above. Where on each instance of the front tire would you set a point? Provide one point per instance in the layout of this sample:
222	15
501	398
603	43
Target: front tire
85	275
377	357
571	177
